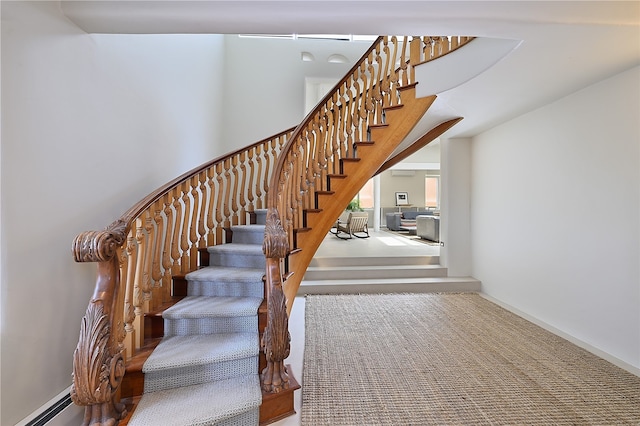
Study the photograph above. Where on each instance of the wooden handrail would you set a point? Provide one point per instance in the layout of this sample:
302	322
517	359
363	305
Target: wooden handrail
329	134
437	47
139	253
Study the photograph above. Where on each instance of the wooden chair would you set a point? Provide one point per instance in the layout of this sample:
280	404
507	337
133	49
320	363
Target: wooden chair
356	226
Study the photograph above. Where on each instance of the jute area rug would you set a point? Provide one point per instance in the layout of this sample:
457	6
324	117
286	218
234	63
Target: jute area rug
413	237
450	359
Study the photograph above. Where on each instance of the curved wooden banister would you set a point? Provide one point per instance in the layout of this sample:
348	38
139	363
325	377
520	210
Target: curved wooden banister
270	142
138	254
158	238
358	106
335	132
439	46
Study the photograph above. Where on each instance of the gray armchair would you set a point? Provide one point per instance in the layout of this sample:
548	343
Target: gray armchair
393	221
428	227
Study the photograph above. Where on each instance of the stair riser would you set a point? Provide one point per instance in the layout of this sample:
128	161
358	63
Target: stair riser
203	257
382	287
235	260
248	236
153	326
406	272
261	216
390	116
374	261
349	167
323	199
249	418
132	384
192	326
378	132
334	182
179	286
338	184
312	218
210	288
194	375
300	238
364	149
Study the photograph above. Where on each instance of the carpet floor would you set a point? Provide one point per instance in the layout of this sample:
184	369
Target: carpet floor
451	359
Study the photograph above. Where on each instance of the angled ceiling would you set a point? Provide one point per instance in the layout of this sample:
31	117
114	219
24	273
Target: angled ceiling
565	45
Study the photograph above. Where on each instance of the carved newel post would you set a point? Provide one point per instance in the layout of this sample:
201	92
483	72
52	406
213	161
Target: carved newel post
98	364
276	337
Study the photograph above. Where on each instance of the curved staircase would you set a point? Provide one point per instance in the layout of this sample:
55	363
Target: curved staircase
188	324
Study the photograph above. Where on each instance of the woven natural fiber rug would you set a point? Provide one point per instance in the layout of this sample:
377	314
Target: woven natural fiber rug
450	359
412	237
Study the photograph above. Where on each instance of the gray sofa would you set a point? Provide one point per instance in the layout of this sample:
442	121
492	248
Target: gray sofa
396	221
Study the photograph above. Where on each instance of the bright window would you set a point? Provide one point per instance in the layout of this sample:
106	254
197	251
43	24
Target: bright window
366	195
431	192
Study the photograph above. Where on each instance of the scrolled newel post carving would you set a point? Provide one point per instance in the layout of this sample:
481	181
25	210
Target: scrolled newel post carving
98	363
276	338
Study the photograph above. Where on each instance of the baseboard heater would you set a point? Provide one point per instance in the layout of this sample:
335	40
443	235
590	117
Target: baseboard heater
49	412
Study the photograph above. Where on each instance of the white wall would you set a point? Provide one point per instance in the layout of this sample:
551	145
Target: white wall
90	124
455	213
556	213
425	161
412	185
429	154
266	80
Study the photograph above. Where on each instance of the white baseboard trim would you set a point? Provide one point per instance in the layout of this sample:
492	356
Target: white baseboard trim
58	411
598	352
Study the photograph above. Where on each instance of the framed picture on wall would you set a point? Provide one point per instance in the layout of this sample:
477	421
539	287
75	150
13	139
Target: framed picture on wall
402	199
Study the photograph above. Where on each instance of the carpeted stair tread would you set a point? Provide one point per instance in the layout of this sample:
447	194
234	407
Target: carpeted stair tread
226	281
237	255
209	307
248	234
252	227
182	351
226	274
246	249
204	372
206	404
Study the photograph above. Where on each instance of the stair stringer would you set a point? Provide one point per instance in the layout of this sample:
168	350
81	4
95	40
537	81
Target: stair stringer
399	122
